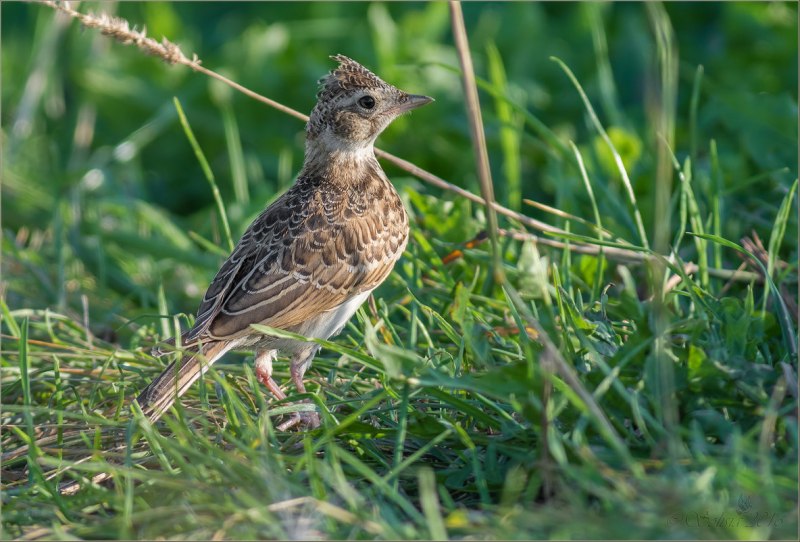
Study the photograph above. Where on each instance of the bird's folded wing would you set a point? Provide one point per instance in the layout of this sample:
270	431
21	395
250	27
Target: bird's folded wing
284	273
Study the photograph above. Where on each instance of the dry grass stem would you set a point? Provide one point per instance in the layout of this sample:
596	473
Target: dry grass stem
630	256
476	130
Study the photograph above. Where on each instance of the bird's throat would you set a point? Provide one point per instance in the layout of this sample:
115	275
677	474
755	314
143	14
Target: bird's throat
331	157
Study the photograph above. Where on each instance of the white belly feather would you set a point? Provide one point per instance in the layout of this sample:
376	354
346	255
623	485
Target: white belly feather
331	322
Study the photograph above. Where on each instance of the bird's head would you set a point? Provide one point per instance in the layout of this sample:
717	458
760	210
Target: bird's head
353	107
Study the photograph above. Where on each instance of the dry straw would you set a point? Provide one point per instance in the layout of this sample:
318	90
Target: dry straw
476	129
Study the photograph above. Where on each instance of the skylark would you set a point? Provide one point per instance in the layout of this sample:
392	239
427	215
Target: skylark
312	257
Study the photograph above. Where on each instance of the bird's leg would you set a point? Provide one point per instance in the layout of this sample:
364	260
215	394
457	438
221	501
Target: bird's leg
271	385
299	364
264	359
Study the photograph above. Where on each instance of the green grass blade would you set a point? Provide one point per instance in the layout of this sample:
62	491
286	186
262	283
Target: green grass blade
509	130
201	158
9	320
693	106
716	203
605	75
778	231
236	156
430	505
617	158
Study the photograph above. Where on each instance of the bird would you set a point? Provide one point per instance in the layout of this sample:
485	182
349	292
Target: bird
313	256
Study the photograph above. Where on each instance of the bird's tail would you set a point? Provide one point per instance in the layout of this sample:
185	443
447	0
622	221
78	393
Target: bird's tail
162	392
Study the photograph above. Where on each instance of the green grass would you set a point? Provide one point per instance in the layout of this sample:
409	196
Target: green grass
585	397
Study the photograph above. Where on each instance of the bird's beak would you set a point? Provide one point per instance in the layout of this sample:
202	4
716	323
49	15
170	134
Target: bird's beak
414	101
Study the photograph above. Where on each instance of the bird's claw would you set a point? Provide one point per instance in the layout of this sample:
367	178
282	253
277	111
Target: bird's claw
305	420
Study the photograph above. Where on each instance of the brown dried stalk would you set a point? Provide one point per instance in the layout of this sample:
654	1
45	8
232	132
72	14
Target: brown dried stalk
476	129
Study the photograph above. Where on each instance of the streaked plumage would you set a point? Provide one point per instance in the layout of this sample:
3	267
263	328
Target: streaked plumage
312	257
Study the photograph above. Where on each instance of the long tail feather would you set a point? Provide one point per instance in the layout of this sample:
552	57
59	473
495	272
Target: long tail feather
162	392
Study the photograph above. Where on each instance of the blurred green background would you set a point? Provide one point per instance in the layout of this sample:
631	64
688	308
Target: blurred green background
107	217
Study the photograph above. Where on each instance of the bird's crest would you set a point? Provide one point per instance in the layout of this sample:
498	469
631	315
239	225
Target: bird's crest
347	76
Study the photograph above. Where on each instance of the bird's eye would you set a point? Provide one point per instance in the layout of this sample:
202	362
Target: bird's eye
367	102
